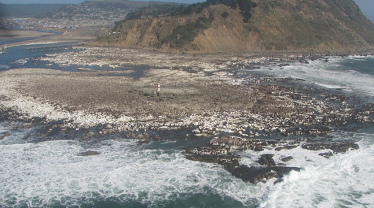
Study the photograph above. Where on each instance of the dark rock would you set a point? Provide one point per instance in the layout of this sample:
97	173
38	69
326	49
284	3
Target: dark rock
37	120
286	159
267	160
222	150
8	114
4	135
258	174
219	151
228	160
287	147
326	154
239	144
283	65
343	147
279	180
89	153
335	147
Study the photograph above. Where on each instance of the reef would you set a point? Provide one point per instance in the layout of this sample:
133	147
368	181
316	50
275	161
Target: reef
207	96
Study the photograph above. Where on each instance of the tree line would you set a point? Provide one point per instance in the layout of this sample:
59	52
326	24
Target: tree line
245	7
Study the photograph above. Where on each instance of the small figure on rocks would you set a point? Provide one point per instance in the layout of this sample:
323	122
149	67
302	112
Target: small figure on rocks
158	90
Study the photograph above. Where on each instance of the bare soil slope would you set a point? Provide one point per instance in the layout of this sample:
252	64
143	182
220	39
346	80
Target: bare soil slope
275	25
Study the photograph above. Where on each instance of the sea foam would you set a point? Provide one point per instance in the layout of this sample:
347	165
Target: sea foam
344	180
337	73
52	173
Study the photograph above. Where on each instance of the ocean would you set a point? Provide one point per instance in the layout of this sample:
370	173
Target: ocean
37	171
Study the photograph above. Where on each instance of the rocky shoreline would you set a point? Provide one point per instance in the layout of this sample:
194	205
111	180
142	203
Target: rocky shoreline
207	95
224	151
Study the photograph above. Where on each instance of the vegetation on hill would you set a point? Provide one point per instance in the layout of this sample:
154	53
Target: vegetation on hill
157	10
186	33
242	25
153	10
245	6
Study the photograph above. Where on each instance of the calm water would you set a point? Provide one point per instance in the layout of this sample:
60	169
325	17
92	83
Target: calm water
128	174
19	57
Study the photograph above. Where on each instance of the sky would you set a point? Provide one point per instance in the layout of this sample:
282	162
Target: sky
78	1
367	6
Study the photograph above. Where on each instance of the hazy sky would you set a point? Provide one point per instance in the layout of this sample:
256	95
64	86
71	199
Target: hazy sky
367	6
76	1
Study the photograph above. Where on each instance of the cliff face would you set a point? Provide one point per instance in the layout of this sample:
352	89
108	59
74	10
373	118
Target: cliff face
325	25
274	25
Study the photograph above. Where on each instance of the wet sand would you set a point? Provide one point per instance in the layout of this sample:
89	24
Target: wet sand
36	37
20	34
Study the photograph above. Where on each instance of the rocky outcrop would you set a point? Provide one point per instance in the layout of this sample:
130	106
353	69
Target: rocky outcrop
258	174
224	151
335	147
89	153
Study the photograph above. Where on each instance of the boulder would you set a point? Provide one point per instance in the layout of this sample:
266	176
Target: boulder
258	174
89	153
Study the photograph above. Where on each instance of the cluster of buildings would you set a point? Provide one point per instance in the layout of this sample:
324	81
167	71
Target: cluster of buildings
74	16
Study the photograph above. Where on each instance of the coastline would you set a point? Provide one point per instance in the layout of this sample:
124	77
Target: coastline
114	91
183	79
240	104
206	96
21	33
24	37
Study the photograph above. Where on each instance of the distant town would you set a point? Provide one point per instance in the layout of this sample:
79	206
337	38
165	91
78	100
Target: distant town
87	14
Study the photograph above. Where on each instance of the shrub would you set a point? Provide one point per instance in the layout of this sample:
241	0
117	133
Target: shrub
225	14
177	10
185	34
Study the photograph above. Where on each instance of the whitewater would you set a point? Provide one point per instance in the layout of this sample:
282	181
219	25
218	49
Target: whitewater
129	174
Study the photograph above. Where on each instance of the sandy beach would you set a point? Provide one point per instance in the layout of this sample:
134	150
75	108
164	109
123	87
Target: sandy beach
19	34
37	37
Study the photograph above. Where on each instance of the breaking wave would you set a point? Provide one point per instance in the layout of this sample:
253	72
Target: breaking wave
123	173
354	74
345	180
52	174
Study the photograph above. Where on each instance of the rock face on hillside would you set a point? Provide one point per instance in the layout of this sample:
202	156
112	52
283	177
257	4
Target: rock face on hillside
274	25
